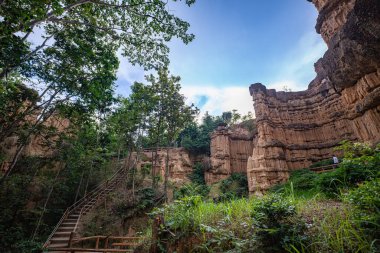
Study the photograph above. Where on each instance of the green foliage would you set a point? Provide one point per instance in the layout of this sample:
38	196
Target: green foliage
99	223
248	123
360	163
337	230
366	200
14	99
357	149
239	225
125	25
350	172
28	246
170	112
196	138
341	228
196	187
146	170
366	197
301	183
234	186
322	163
146	198
192	189
276	223
197	176
126	208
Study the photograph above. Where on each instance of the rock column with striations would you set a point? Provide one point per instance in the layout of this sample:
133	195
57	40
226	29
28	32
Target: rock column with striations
296	129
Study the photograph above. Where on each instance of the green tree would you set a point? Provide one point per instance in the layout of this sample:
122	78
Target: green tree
197	138
172	114
76	61
139	28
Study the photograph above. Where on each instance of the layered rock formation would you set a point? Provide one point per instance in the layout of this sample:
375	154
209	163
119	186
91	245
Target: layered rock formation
180	163
342	102
39	145
230	149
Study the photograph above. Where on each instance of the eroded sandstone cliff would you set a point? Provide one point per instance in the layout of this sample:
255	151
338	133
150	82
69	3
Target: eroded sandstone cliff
230	149
41	145
342	102
180	163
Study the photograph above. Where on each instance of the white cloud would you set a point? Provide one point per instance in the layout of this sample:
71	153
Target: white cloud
219	99
128	72
296	66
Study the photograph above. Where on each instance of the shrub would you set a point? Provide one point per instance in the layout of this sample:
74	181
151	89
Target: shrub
197	176
239	225
360	163
322	163
366	197
366	200
234	186
350	173
145	198
276	224
303	179
191	190
336	230
301	183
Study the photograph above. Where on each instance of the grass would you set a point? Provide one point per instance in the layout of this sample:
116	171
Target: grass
330	212
336	230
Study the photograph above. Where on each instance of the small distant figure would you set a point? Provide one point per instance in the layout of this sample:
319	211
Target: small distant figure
335	161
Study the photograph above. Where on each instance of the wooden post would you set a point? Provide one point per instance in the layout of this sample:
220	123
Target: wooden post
70	239
97	243
155	230
106	244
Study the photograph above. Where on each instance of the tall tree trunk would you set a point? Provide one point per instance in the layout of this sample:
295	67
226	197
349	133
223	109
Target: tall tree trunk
166	174
13	163
152	168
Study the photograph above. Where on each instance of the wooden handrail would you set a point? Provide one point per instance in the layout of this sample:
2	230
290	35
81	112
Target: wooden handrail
93	193
109	237
323	167
89	250
119	241
55	228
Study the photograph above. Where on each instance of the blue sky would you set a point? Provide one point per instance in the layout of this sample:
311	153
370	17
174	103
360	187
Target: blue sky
239	42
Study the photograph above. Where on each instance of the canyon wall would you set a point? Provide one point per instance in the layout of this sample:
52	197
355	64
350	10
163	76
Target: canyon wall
230	149
296	129
180	163
39	145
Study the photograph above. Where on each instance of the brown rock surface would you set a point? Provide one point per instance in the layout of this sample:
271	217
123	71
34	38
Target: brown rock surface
230	149
296	129
38	145
180	163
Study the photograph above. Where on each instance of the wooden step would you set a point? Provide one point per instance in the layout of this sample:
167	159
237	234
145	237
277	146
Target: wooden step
62	234
65	229
70	220
59	239
58	245
68	224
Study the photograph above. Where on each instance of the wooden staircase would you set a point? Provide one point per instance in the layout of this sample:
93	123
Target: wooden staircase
67	226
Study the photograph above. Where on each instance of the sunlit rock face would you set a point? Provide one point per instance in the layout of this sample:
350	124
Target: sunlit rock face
296	129
230	149
180	162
